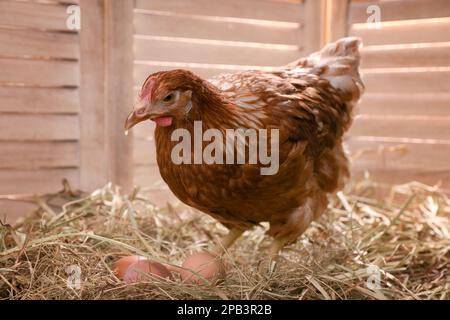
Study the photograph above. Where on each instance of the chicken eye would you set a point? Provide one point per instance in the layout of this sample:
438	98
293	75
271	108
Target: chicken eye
169	97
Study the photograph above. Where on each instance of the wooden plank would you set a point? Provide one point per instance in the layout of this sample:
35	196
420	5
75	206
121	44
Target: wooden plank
39	72
144	152
395	104
314	31
407	80
249	9
28	127
93	140
401	176
26	43
36	181
337	24
401	127
39	100
33	15
191	27
142	71
417	31
35	155
401	10
396	156
426	55
183	51
119	95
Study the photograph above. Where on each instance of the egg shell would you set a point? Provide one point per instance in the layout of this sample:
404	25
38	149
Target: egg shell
206	266
121	265
140	270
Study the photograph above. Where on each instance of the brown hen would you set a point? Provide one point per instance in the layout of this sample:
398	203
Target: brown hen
309	101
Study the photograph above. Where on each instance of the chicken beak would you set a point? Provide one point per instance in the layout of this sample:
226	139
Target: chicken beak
139	114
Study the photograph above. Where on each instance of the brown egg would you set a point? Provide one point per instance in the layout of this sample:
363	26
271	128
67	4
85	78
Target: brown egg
121	266
205	265
140	270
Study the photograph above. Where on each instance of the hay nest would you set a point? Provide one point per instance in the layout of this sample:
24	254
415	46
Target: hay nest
362	248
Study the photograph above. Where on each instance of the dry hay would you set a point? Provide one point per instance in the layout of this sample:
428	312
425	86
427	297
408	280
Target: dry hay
407	243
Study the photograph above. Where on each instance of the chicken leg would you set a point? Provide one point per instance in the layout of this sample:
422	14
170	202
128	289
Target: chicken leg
227	241
277	245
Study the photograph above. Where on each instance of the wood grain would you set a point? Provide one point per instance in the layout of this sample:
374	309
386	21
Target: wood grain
397	156
34	127
39	100
407	56
407	81
249	9
27	43
119	94
94	163
415	32
401	10
407	104
400	127
36	181
43	16
142	71
177	51
39	72
35	155
191	27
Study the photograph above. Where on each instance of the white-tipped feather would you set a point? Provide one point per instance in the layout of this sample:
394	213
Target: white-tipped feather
338	62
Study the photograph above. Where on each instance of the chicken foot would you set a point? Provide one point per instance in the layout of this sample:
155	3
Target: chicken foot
227	241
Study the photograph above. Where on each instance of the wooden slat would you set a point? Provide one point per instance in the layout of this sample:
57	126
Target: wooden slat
338	23
36	181
142	71
176	51
39	72
400	176
401	10
39	127
33	15
408	56
189	27
395	104
397	156
419	31
144	152
33	155
266	10
399	127
20	43
407	81
39	100
119	94
93	140
314	31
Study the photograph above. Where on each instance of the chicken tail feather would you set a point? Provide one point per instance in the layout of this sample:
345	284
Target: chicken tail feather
338	62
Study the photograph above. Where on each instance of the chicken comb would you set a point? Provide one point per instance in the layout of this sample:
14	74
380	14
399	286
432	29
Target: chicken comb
148	87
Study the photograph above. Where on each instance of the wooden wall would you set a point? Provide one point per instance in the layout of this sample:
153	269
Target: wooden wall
39	99
403	130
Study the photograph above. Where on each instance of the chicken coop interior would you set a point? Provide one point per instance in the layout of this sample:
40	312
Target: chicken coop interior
65	92
71	71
